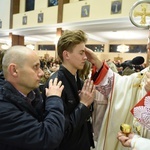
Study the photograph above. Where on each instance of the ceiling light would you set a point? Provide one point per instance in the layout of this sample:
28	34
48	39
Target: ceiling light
5	46
122	48
30	46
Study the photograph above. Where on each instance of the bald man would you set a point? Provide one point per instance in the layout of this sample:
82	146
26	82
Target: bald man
24	123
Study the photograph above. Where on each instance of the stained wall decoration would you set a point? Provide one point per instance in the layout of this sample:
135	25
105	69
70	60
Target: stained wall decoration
116	7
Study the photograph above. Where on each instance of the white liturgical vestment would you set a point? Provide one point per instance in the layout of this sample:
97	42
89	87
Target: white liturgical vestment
121	93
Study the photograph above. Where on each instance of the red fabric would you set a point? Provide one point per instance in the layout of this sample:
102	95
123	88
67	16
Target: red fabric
141	111
102	73
93	70
140	103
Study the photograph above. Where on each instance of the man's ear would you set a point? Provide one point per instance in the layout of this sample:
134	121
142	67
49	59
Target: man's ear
12	69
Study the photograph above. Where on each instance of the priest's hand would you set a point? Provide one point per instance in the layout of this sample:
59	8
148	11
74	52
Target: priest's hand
147	82
87	93
125	139
92	57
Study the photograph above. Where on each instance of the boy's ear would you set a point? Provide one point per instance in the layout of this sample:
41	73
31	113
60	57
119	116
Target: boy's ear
65	54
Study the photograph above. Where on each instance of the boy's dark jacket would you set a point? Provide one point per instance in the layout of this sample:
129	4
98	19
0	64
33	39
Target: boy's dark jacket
78	131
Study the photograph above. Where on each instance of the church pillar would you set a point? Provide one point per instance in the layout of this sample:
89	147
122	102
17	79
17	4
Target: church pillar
60	10
14	9
58	35
16	39
59	20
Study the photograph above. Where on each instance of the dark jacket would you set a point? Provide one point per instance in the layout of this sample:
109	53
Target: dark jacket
78	135
26	127
2	75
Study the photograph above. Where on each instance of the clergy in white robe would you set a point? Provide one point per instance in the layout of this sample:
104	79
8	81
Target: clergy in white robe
140	143
141	112
121	94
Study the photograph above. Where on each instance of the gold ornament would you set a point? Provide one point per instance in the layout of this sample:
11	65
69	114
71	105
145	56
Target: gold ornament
125	128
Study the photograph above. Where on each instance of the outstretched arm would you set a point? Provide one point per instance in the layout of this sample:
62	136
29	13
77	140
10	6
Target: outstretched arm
92	57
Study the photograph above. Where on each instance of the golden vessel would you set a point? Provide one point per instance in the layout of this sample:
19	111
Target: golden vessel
125	128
